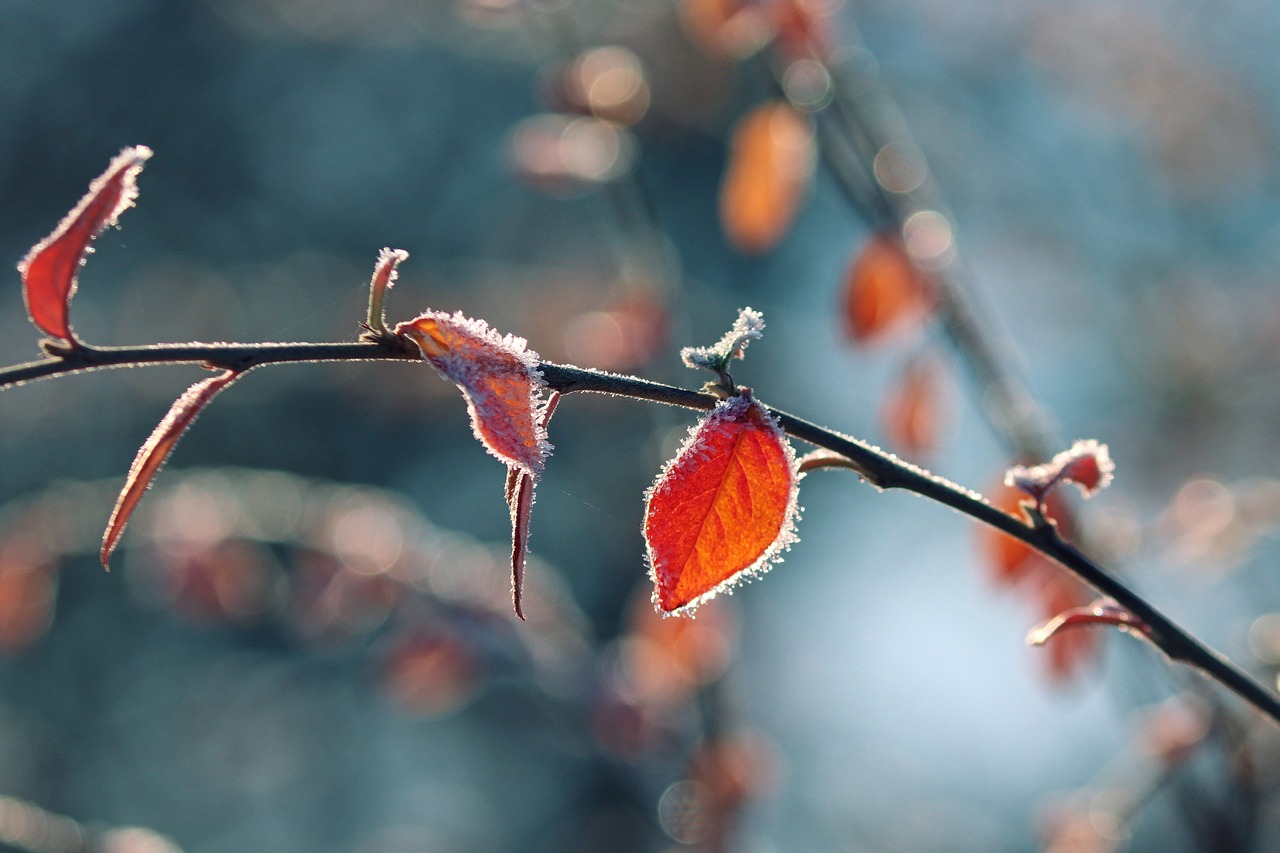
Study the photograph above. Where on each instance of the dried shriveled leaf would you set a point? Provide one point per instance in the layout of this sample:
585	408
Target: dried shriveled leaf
723	509
498	375
384	278
885	293
770	162
156	449
912	412
519	495
49	269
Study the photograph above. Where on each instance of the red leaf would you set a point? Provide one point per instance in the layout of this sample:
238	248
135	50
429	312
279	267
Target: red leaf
49	270
498	375
155	450
1087	463
885	293
723	509
770	161
912	412
519	496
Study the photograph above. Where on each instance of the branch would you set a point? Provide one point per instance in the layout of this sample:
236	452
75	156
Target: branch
881	469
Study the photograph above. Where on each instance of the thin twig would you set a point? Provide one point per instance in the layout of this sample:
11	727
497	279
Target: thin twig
882	469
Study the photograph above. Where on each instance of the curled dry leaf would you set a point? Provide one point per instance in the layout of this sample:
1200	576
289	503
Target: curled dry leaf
499	377
771	159
155	450
885	294
723	509
384	278
49	269
912	412
519	495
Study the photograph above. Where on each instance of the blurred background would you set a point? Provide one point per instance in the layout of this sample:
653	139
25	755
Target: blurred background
306	642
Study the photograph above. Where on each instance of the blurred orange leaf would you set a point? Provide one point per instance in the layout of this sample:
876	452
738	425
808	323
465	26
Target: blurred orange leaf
723	509
803	27
1010	559
155	450
49	270
28	588
770	162
725	28
913	410
884	293
499	377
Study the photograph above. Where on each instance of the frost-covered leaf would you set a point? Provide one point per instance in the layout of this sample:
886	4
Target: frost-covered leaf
384	278
771	159
748	327
156	449
724	508
499	377
884	293
1087	463
49	270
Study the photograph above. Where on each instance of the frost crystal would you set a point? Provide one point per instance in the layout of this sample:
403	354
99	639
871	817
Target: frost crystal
748	326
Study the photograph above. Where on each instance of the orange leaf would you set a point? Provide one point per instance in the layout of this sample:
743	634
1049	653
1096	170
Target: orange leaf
770	161
155	450
723	509
912	412
498	375
49	269
884	293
